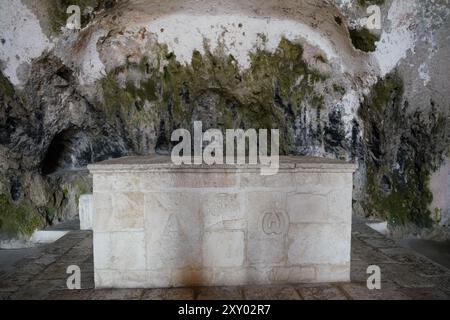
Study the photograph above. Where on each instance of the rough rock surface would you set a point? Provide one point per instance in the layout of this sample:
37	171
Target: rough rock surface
140	69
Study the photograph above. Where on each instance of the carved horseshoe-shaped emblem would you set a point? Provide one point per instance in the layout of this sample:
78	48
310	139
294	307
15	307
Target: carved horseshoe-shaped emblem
274	223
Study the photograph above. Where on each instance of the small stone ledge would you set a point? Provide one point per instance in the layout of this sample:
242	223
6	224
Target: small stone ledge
164	164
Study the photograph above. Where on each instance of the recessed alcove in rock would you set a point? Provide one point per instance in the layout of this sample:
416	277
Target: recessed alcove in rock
68	150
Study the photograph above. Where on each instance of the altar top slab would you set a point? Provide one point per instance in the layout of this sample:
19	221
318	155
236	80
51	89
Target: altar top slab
164	163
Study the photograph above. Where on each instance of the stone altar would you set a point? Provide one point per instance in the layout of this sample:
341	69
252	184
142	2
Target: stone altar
156	224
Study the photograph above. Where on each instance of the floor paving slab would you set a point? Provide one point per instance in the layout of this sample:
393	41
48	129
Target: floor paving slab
41	274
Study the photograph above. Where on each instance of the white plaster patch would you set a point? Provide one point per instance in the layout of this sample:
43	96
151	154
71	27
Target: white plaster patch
239	35
23	37
395	44
349	106
424	73
91	67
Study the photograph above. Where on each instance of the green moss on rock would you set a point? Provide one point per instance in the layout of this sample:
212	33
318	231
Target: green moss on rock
17	219
6	87
402	150
81	187
214	90
339	89
51	213
366	3
320	58
363	39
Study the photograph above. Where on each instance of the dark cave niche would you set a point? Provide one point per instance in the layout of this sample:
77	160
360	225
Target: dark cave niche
69	149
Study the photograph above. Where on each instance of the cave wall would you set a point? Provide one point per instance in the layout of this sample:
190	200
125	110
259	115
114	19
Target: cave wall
140	69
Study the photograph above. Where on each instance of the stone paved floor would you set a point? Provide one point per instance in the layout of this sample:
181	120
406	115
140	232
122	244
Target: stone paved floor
405	275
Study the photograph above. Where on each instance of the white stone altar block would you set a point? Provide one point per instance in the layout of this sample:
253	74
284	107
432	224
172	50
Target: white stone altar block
160	225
